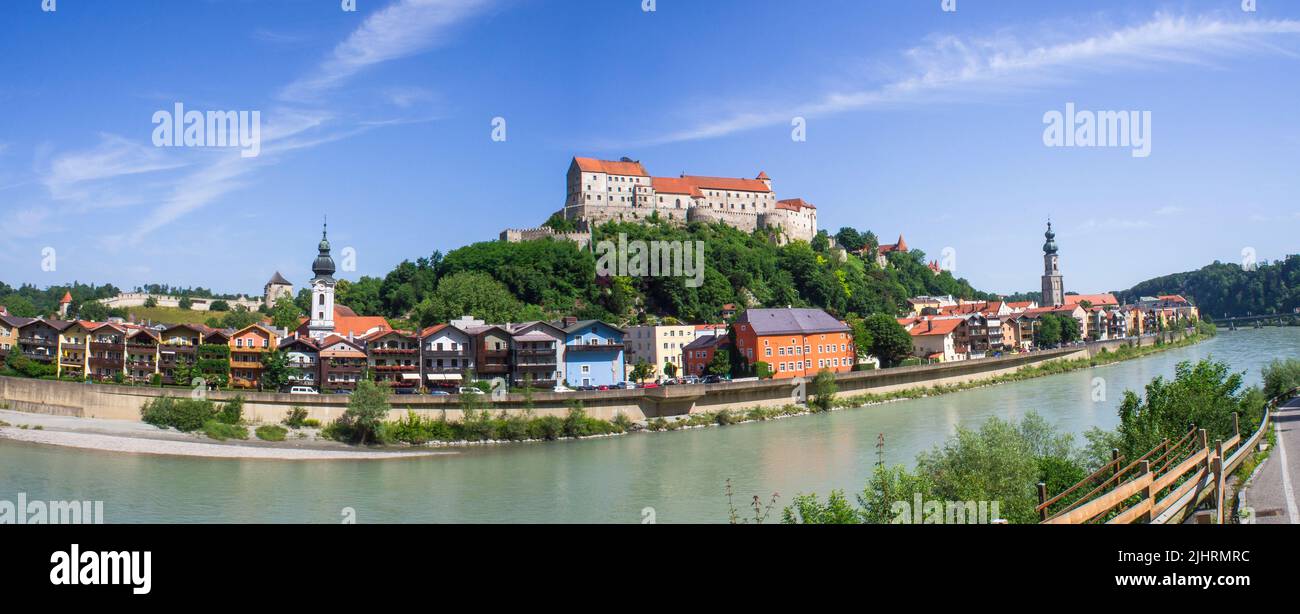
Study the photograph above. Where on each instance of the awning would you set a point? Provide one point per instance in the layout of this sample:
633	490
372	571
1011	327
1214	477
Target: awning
443	377
414	376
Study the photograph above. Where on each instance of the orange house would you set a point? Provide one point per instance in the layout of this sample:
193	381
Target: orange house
247	347
795	342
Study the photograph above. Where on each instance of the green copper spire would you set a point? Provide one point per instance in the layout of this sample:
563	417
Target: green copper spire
323	267
1050	246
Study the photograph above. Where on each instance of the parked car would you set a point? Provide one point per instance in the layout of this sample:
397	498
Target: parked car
404	391
690	379
302	390
439	393
586	388
562	388
711	379
470	390
650	385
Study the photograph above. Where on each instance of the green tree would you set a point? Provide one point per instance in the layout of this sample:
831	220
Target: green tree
1069	329
185	303
720	365
1048	332
890	342
1280	377
823	391
367	409
276	370
285	314
670	369
642	370
469	293
150	302
219	305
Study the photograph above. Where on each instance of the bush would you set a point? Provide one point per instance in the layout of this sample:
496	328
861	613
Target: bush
1280	376
546	428
222	431
295	418
232	412
181	414
622	423
271	432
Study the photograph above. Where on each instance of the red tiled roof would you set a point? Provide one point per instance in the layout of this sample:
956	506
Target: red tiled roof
901	246
1097	300
794	204
592	165
346	323
727	183
1172	298
67	298
935	327
670	185
762	175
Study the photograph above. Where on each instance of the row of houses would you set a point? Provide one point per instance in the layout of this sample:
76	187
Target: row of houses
946	330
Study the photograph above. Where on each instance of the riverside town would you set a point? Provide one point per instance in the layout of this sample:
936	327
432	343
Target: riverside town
621	262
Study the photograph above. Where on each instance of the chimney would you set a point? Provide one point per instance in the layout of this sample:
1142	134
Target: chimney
569	321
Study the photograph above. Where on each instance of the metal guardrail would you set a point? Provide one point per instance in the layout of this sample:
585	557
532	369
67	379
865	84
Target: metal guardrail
1186	474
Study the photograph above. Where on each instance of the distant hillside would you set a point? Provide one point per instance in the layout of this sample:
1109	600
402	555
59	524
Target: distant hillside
1226	289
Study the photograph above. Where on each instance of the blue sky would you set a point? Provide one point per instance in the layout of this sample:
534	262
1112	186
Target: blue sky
919	121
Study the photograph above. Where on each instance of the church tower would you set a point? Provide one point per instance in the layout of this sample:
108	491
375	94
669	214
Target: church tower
1053	287
322	291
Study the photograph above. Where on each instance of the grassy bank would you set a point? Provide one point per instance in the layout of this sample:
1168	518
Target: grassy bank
1056	367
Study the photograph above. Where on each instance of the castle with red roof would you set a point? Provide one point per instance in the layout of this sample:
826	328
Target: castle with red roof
603	190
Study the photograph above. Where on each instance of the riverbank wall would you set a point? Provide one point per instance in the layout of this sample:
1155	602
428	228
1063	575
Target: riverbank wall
124	402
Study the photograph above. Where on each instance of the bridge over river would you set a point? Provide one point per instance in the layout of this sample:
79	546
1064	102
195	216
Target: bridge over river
668	477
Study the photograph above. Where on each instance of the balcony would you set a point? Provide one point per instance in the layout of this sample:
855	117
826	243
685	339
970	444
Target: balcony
394	351
104	346
396	368
446	354
37	341
594	347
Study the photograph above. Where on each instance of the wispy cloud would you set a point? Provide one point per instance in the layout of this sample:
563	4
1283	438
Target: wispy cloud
92	178
948	64
399	30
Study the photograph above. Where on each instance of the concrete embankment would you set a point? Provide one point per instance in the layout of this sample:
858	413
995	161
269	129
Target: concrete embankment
124	402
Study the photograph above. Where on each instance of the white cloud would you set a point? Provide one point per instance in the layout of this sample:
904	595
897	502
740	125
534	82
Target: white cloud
399	30
114	157
948	64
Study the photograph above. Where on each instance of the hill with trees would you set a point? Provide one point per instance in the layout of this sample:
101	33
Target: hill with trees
1229	289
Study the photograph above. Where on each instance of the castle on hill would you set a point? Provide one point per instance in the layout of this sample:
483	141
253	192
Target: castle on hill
599	191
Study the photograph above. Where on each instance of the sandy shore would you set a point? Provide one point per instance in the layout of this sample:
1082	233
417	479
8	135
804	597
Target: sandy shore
140	438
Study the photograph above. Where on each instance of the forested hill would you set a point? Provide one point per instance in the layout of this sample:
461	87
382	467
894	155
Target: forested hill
1227	289
510	282
513	282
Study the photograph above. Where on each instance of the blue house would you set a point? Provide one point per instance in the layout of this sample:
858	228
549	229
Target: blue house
593	353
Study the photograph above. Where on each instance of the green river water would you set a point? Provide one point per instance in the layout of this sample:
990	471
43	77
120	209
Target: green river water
678	475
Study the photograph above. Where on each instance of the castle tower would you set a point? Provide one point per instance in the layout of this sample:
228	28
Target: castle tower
275	289
322	291
64	303
1053	286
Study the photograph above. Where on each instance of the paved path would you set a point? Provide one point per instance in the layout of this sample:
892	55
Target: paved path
1273	492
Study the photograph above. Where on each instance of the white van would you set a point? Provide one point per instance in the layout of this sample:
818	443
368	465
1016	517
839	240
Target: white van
302	390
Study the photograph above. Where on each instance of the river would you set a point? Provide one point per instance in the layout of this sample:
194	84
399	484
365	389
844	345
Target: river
670	476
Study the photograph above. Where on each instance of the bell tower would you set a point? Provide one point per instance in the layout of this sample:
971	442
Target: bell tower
1053	285
322	290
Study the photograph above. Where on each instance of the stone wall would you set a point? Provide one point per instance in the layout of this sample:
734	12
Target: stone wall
124	402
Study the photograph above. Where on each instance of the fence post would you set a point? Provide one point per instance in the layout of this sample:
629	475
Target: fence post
1218	481
1042	498
1236	423
1205	445
1114	458
1148	493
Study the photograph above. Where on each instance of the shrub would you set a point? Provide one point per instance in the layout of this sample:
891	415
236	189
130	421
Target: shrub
222	431
658	424
622	423
1280	376
296	417
271	432
547	428
181	414
823	390
311	423
232	412
512	428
